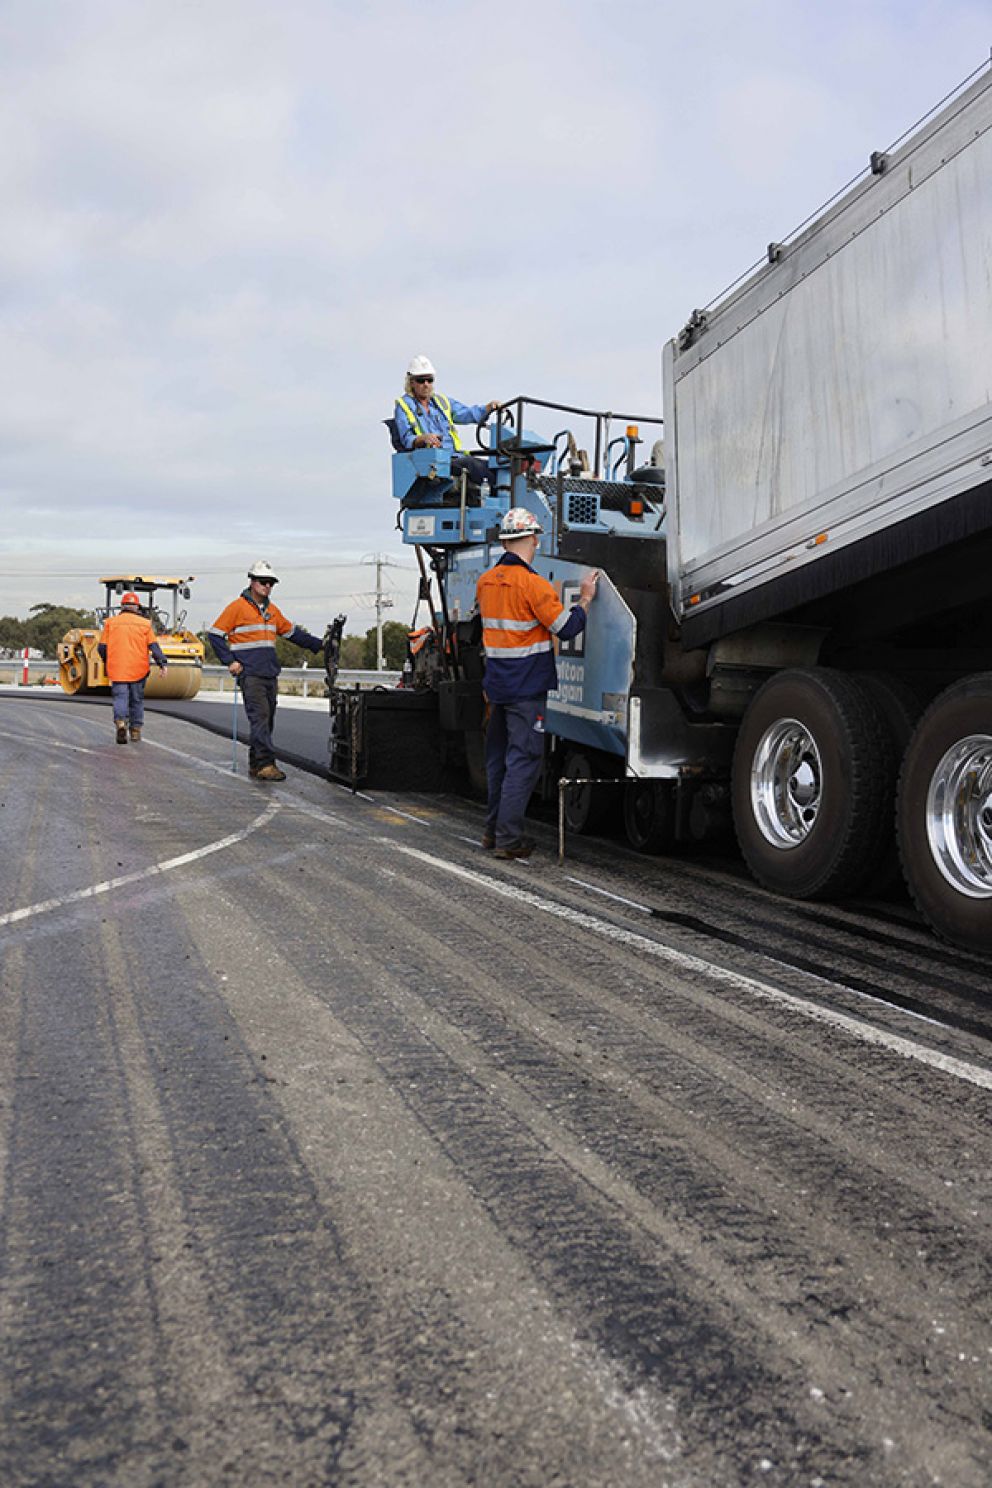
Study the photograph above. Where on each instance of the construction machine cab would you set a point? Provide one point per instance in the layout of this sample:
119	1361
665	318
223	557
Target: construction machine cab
81	668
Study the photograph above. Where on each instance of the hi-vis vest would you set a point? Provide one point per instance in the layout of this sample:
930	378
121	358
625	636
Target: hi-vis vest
445	407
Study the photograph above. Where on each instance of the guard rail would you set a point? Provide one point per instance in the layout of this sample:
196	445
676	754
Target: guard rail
215	678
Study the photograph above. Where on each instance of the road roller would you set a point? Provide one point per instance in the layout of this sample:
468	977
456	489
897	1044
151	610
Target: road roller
81	667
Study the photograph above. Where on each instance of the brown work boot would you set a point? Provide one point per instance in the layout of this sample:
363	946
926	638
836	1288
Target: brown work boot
519	849
270	772
121	731
135	734
488	841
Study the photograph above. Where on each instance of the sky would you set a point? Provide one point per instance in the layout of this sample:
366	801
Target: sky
229	224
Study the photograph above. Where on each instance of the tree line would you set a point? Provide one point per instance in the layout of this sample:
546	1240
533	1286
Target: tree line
43	629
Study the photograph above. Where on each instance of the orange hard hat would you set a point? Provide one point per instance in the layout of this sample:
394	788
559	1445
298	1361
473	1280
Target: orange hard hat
131	599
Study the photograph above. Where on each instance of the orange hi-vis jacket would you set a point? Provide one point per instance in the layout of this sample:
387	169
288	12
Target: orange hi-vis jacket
129	638
520	612
246	632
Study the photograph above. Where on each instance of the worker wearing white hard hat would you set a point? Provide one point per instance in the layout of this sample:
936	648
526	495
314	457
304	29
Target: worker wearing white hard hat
244	638
520	612
426	418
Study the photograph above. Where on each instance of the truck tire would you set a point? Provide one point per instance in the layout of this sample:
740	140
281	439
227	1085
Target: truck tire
587	807
944	814
649	815
813	784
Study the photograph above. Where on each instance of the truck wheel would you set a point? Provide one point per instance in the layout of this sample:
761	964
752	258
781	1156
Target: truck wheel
587	807
813	784
649	815
944	814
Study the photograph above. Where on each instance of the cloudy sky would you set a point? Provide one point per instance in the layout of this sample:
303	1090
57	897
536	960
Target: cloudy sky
228	224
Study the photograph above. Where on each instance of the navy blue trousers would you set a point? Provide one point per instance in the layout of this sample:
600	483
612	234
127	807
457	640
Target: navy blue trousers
129	702
514	755
260	695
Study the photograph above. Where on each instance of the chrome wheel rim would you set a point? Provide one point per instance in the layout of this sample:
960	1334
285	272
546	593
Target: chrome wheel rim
959	816
786	783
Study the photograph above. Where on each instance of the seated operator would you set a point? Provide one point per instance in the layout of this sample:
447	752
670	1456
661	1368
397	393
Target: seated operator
426	418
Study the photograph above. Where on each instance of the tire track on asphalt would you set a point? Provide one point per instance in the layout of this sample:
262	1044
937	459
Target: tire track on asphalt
684	1169
631	1300
688	962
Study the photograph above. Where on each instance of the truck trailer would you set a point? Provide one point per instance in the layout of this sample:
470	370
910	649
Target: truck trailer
793	629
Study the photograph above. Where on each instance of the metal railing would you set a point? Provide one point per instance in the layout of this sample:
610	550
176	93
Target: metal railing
215	678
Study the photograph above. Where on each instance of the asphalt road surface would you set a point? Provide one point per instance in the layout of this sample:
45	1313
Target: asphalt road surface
335	1152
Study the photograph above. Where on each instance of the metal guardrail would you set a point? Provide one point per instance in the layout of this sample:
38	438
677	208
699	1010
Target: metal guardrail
40	670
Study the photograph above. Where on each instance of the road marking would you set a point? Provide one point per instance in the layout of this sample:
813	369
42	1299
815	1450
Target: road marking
893	1042
830	982
35	739
47	905
617	898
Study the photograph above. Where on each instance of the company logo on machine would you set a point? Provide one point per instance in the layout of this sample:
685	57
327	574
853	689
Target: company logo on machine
571	658
419	526
577	645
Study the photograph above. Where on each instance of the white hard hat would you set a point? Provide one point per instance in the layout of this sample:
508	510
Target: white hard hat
262	570
421	366
519	522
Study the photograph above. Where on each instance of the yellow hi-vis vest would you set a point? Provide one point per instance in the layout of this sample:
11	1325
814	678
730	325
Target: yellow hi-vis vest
445	407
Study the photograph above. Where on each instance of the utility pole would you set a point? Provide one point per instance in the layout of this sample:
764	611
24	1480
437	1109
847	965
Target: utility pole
382	602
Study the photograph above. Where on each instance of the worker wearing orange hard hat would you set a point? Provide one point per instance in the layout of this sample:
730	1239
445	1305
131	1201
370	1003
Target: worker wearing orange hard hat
126	641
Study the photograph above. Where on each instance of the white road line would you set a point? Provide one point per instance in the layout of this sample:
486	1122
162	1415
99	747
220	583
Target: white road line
949	1065
829	982
48	905
617	898
35	739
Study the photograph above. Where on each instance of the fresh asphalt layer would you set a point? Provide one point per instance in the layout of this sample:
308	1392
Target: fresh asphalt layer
334	1152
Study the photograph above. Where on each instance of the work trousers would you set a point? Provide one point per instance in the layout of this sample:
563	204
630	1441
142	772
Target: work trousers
129	702
260	695
478	470
514	755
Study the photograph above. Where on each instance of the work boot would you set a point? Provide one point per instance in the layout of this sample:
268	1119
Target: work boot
522	848
135	734
121	726
270	772
488	841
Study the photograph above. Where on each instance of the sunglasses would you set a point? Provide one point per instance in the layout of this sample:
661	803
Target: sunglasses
423	379
265	583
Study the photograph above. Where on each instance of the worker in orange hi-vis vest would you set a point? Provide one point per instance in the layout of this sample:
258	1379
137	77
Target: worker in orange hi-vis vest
520	612
244	638
126	641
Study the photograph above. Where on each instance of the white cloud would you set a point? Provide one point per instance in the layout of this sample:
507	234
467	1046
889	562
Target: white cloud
228	226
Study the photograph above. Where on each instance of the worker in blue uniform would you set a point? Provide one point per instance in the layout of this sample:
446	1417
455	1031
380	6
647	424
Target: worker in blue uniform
427	419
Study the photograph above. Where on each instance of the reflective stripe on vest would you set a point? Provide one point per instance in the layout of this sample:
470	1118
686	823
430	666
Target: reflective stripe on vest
445	407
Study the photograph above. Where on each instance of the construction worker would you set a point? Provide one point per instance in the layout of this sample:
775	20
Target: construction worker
244	638
425	418
520	613
124	645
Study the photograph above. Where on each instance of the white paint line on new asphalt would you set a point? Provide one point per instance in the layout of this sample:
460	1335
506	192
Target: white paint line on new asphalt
857	1028
46	906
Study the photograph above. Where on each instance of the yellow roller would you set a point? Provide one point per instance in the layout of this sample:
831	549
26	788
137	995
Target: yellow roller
81	667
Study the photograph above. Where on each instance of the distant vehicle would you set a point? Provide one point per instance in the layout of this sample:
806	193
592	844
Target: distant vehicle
81	668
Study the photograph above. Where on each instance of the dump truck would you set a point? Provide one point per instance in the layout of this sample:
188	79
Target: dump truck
793	629
81	668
